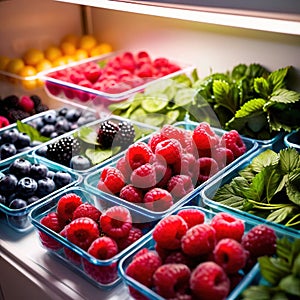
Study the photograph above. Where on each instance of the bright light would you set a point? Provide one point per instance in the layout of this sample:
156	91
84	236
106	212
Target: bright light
226	19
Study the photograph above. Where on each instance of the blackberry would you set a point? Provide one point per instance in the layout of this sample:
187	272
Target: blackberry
41	107
63	150
36	100
17	114
106	133
125	136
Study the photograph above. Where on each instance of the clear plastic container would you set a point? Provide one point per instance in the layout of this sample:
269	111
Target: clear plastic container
108	266
56	85
209	191
292	139
96	156
91	180
18	219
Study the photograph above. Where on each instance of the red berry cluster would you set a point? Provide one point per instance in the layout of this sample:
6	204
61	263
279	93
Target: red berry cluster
194	259
101	234
120	73
170	165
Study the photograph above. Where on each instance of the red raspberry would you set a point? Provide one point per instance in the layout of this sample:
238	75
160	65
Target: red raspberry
26	104
3	122
82	232
170	150
260	240
66	205
48	242
187	165
223	156
209	281
158	199
143	267
155	139
144	176
72	256
163	174
227	226
172	132
233	141
134	234
131	194
111	180
87	210
180	185
138	154
204	137
207	168
230	255
171	280
102	248
169	231
124	167
192	216
199	240
178	257
116	222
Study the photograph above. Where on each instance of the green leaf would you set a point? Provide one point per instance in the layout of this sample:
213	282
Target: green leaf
279	215
97	156
277	78
261	86
283	96
185	96
293	193
88	135
288	160
238	71
291	285
250	107
257	187
222	94
33	133
264	159
258	292
296	266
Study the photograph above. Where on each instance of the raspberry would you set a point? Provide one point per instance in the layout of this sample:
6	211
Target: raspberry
170	150
133	235
260	240
67	205
72	256
3	122
227	226
143	266
116	222
144	176
125	169
158	199
138	154
172	132
155	139
171	279
131	194
87	210
53	222
192	216
163	174
26	104
178	257
169	232
223	156
207	168
82	232
199	240
180	185
233	141
102	248
209	281
111	180
204	137
48	242
186	165
230	255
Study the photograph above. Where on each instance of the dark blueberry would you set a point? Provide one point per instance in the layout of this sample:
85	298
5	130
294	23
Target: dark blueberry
61	179
23	140
2	199
7	150
20	221
47	130
50	174
17	203
11	197
10	136
73	126
8	184
38	123
62	126
73	114
42	151
79	162
45	187
27	186
50	117
63	111
38	171
32	199
20	167
54	134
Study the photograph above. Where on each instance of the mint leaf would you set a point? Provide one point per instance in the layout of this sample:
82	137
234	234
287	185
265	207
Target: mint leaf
261	86
250	107
222	94
97	156
264	159
260	292
288	160
277	78
33	133
291	285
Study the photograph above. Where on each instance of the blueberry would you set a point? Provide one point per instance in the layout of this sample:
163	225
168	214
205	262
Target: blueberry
20	167
17	203
50	117
38	123
42	151
63	111
23	140
50	174
38	171
7	150
8	184
62	126
79	162
32	199
20	221
27	186
54	134
10	136
73	126
73	114
2	199
47	130
45	187
62	178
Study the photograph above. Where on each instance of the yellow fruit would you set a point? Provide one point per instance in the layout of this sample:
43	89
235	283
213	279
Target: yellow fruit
52	53
28	71
101	49
15	65
87	42
4	60
33	56
81	54
69	58
43	65
71	38
68	48
61	61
